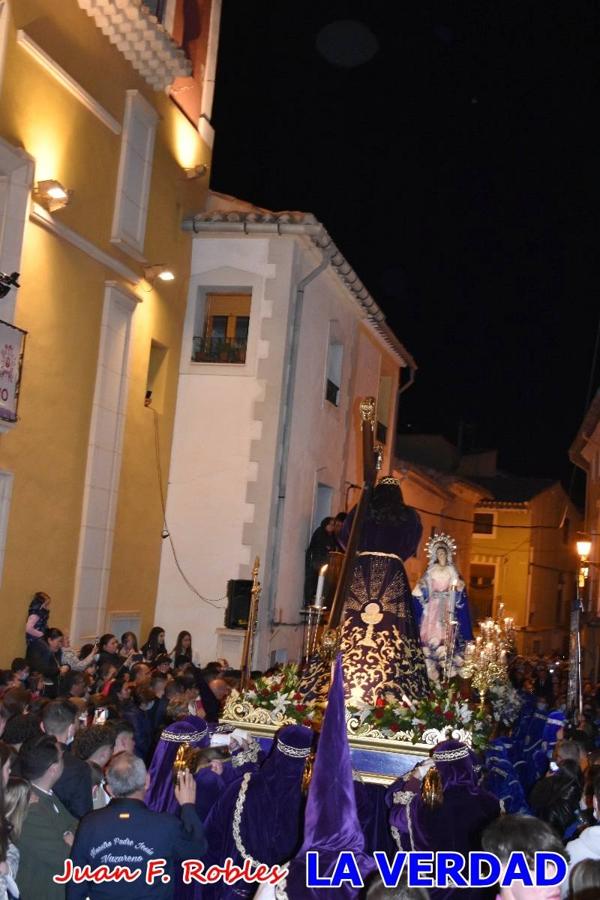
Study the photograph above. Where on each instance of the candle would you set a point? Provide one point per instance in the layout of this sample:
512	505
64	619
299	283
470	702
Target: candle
320	586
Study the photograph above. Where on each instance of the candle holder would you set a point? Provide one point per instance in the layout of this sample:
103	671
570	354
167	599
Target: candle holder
485	658
313	616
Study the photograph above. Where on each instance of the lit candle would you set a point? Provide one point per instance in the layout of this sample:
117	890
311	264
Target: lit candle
320	586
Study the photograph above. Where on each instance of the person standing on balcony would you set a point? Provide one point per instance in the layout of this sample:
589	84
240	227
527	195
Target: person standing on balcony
37	617
317	555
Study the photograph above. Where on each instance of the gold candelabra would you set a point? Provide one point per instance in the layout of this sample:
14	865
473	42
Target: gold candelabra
485	657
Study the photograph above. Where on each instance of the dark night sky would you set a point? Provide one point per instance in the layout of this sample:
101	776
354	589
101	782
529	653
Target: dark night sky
458	170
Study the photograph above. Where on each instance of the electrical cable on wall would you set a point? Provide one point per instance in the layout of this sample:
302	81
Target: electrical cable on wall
166	530
438	515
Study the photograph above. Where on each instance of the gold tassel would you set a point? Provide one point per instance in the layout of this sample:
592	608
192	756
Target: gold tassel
308	771
432	791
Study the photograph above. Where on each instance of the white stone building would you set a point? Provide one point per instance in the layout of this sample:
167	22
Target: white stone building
281	341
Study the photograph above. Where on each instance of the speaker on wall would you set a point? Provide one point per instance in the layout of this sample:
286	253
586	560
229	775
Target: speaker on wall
239	593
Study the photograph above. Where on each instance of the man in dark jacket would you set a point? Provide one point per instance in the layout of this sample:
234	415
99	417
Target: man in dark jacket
48	828
74	787
127	833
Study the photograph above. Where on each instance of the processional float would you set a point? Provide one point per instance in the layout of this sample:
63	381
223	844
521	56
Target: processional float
375	756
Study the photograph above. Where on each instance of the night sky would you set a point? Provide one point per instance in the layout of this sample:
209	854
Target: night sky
450	151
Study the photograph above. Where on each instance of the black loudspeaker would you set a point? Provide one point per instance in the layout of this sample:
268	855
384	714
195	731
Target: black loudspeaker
239	594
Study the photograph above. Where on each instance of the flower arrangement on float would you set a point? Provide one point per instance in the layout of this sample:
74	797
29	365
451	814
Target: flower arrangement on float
441	714
506	702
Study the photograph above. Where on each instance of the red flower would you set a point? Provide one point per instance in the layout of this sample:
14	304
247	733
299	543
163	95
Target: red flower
300	707
307	722
380	702
394	727
437	710
448	716
379	713
297	696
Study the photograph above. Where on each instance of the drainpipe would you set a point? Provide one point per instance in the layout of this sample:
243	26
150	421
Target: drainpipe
528	594
287	427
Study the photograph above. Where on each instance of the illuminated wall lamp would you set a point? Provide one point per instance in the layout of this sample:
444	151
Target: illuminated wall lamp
51	195
151	273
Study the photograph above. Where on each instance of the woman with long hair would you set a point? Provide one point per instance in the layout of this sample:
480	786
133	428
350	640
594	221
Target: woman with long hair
182	652
108	651
16	800
37	617
9	855
129	642
155	644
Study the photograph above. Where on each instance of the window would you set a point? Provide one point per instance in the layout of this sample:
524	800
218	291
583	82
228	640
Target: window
335	358
6	480
481	591
135	171
483	523
221	330
323	501
16	176
158	8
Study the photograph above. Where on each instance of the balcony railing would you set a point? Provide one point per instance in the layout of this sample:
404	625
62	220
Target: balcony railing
218	350
332	392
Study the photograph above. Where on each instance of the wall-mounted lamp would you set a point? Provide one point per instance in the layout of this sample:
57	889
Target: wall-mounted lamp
198	171
51	195
159	270
584	545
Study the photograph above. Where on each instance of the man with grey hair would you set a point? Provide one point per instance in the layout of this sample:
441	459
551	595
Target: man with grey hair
128	834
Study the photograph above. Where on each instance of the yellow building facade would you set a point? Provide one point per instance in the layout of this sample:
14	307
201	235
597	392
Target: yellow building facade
523	554
85	101
585	453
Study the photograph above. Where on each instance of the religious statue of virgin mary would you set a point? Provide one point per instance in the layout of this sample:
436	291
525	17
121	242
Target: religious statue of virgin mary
442	610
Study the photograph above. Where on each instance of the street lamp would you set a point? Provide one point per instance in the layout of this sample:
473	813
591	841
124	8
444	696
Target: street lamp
574	695
584	546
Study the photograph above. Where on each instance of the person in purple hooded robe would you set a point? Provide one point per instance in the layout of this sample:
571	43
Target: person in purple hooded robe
381	647
331	822
260	818
449	813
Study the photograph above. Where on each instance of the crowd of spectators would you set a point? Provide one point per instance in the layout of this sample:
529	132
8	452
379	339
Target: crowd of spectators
80	729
